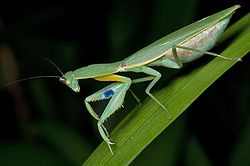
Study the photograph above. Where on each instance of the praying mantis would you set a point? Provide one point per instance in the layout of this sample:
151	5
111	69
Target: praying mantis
184	45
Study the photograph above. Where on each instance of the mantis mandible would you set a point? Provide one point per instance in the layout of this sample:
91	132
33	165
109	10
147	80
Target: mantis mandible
182	46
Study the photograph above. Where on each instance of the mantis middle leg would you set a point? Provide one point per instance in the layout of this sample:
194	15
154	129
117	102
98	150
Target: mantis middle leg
154	76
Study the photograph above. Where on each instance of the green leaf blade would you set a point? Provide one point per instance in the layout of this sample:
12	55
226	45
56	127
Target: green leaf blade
145	123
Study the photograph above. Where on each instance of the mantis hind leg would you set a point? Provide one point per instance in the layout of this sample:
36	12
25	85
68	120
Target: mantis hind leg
172	59
174	63
205	52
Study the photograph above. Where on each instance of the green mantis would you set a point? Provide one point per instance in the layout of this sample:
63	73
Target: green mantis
182	46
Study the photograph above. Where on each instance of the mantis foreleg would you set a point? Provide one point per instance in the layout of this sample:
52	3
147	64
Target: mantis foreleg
116	92
104	93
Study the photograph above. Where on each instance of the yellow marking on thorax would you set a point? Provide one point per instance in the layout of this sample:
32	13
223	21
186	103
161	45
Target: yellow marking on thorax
111	77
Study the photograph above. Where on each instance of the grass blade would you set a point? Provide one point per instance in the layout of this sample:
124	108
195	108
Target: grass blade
145	123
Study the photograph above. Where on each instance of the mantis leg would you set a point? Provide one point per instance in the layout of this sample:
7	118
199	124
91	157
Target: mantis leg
102	94
208	53
138	80
174	63
156	76
116	92
136	98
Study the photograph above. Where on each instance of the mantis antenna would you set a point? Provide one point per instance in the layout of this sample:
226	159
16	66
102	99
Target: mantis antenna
29	78
36	77
54	65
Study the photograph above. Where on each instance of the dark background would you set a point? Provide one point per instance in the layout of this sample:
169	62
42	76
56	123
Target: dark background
43	122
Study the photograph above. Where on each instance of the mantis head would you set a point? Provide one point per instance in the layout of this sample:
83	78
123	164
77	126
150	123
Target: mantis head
70	80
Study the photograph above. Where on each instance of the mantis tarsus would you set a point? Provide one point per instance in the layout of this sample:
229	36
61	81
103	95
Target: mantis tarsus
182	46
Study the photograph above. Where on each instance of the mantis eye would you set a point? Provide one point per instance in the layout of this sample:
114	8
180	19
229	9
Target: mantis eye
63	80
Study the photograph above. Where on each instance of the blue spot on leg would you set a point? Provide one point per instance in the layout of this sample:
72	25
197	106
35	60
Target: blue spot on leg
108	93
